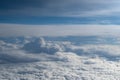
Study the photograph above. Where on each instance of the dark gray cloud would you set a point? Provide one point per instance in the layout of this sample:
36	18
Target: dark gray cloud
59	7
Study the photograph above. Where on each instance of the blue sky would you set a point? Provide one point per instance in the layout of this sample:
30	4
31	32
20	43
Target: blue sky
60	11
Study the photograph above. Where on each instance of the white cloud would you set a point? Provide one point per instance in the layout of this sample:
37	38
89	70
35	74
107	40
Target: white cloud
40	46
34	50
60	65
37	47
77	68
58	30
111	52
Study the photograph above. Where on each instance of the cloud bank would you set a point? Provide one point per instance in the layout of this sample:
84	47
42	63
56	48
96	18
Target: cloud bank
31	58
58	30
34	49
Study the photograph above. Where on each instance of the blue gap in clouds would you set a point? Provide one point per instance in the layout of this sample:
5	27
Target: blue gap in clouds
43	20
58	20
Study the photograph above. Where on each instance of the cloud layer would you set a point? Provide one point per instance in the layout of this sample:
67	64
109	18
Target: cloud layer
58	30
30	49
31	58
71	67
60	8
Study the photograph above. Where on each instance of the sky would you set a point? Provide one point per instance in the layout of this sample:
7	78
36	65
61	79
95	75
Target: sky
59	17
60	11
25	23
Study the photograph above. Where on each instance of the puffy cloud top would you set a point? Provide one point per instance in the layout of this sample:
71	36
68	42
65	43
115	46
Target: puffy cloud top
40	46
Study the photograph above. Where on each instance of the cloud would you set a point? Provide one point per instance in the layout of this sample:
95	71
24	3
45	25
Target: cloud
21	63
28	49
76	67
33	49
110	52
40	46
59	8
58	30
11	53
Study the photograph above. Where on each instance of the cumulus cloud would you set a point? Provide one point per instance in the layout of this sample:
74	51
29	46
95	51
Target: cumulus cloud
40	46
111	52
73	67
69	60
30	49
27	50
